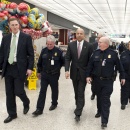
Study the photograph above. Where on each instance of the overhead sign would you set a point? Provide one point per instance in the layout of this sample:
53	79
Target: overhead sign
117	35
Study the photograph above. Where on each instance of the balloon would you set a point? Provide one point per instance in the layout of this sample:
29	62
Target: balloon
39	22
22	9
45	26
31	21
28	8
4	22
2	6
23	21
3	17
5	12
12	8
35	11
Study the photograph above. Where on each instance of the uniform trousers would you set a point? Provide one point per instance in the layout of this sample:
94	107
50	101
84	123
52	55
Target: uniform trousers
52	80
125	92
14	86
104	89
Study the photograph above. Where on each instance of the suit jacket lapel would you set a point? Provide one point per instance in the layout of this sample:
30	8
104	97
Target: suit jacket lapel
84	47
75	48
19	42
8	45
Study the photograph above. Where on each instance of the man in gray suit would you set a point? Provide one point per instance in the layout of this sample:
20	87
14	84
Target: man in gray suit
78	53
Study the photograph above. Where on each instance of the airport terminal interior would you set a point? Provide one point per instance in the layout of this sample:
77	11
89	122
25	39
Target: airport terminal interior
62	18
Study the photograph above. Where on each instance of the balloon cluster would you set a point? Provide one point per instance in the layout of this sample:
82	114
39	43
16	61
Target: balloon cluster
32	22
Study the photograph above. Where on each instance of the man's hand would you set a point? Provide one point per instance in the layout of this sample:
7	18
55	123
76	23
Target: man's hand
39	75
67	75
29	72
89	80
122	82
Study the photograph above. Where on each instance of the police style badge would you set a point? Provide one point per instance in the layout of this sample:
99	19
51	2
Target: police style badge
109	56
55	54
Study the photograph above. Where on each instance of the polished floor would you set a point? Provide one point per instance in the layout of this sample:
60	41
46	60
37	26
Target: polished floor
62	118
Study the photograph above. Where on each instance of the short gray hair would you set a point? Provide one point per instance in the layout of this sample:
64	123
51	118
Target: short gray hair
105	40
50	38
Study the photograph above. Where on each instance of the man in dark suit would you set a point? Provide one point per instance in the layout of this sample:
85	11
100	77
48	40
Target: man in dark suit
95	47
16	61
78	53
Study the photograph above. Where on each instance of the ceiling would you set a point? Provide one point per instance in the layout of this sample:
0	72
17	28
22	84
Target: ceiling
106	16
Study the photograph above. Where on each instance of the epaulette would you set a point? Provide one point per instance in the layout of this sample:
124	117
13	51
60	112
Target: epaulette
123	51
96	50
43	49
59	49
113	50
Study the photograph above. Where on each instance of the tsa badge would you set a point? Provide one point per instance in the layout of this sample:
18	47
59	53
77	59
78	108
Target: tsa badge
55	54
109	56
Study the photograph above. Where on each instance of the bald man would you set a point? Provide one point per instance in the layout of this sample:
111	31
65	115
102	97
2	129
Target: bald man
78	54
100	69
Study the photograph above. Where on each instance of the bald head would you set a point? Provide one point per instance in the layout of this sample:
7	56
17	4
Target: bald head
80	35
104	43
99	36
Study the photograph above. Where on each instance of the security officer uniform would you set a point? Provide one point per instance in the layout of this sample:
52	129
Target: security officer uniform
125	90
49	65
101	69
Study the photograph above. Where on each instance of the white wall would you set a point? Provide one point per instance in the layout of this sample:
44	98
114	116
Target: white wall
40	43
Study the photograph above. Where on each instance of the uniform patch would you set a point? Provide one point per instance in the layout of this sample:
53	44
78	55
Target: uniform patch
96	56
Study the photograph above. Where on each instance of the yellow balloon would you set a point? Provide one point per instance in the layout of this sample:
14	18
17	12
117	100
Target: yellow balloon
35	11
32	21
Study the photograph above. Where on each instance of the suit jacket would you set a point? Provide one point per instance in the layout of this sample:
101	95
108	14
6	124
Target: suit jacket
77	64
95	45
25	54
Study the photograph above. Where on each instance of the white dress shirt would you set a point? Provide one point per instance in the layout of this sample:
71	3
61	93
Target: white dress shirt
81	44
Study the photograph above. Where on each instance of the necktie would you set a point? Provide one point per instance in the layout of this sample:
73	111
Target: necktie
12	50
79	50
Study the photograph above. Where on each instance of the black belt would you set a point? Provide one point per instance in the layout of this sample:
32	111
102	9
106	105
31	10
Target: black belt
48	72
105	78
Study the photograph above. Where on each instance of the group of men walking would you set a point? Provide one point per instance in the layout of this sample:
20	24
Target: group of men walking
82	64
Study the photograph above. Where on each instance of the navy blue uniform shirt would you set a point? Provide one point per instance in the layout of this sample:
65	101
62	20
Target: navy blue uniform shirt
105	64
45	60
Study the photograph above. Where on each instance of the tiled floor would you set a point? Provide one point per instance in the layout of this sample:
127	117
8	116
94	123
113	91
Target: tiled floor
63	117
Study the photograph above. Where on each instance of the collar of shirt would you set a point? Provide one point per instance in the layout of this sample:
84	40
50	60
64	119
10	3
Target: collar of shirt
17	34
81	43
104	50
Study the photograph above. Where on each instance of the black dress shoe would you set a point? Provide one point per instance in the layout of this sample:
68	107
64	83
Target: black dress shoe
25	110
103	125
123	107
52	107
9	118
37	112
97	115
77	118
92	97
